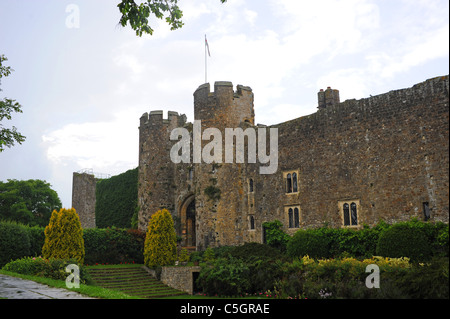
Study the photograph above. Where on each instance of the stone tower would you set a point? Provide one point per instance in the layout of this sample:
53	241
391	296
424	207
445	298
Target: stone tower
83	198
220	186
156	171
328	98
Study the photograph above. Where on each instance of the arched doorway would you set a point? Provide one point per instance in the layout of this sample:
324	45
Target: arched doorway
187	215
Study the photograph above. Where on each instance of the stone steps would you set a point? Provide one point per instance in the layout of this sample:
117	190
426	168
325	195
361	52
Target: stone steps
133	281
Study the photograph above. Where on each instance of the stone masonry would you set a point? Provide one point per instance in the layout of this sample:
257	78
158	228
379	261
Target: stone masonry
351	163
83	198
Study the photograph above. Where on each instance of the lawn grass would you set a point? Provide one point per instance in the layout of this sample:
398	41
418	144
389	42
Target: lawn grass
104	293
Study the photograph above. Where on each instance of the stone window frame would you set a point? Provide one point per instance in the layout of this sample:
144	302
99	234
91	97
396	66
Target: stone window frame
290	181
349	202
251	185
251	222
293	223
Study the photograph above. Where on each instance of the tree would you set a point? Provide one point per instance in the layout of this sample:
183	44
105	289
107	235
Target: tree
160	247
137	15
28	202
64	236
8	136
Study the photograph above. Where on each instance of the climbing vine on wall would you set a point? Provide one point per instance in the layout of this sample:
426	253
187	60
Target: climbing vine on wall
212	192
116	200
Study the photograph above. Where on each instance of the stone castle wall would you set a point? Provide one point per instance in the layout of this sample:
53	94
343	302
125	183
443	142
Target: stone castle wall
388	155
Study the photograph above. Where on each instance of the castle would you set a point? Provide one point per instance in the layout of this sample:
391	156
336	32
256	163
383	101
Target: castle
349	164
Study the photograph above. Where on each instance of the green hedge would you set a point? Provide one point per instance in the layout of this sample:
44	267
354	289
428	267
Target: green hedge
116	200
308	242
414	239
110	245
37	239
113	246
48	268
14	241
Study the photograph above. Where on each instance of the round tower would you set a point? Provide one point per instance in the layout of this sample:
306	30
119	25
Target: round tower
219	195
156	173
224	107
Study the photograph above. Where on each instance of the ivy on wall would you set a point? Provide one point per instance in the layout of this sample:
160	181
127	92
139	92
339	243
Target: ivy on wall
116	200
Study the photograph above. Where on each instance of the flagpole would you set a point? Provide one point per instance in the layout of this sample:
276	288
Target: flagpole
206	64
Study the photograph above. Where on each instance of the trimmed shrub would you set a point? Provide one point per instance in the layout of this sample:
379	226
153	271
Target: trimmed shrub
430	238
113	246
14	241
308	242
405	240
160	247
64	236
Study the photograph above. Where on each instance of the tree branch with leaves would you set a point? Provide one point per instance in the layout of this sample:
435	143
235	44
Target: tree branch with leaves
8	136
138	14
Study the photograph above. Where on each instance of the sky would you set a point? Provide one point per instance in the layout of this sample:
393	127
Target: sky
84	81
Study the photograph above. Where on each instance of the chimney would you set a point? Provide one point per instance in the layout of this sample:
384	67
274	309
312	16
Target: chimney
328	98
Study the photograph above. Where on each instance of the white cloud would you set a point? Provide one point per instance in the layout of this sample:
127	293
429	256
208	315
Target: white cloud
101	145
250	16
284	112
192	10
429	46
330	26
130	61
352	83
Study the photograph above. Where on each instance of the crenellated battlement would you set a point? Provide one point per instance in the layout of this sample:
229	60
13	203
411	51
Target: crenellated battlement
224	104
157	118
222	89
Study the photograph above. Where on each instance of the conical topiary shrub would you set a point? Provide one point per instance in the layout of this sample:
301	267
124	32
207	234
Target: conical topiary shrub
160	247
64	236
